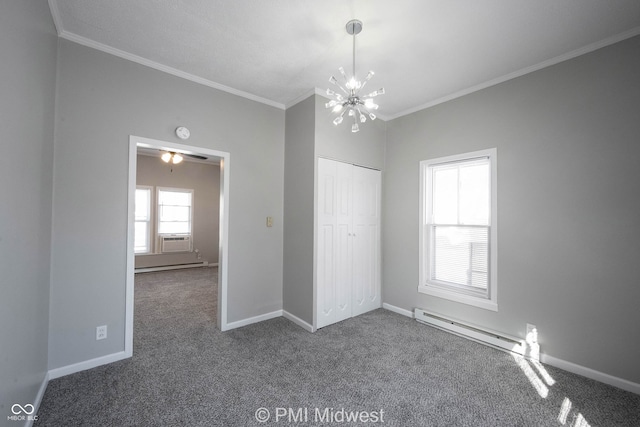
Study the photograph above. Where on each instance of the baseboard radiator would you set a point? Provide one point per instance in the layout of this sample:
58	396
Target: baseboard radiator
172	267
474	333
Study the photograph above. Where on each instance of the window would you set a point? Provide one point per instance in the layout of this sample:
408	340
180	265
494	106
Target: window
175	211
458	232
142	227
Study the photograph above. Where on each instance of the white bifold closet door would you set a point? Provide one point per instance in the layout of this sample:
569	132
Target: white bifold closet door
348	236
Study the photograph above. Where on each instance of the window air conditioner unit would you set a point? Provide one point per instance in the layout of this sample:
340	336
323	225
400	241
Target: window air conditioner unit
175	243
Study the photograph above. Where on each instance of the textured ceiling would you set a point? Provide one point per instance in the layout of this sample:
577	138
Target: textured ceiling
277	51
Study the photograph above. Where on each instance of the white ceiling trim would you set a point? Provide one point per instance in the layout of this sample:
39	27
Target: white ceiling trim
169	70
301	98
55	13
53	5
553	61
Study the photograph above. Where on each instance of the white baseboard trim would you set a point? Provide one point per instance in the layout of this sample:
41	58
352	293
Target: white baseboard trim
87	364
407	313
298	321
255	319
590	373
558	363
38	398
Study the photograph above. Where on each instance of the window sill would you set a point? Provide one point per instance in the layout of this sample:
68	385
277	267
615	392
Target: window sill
458	297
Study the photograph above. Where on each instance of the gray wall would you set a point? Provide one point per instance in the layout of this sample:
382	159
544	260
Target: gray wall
102	100
364	148
310	134
204	179
27	86
568	206
297	289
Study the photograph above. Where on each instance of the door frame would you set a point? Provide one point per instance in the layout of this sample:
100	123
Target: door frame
225	163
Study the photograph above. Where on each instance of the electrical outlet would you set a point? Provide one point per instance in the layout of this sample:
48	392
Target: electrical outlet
532	333
101	332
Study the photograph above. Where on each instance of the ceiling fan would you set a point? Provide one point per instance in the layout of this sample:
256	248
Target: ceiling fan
175	157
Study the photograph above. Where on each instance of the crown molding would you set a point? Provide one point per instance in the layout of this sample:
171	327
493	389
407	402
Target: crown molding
164	68
55	14
544	64
62	33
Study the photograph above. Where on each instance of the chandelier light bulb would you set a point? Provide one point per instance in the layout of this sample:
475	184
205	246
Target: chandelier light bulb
177	158
166	157
337	120
355	128
369	104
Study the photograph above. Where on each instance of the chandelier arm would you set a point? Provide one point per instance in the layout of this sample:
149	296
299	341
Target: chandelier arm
335	82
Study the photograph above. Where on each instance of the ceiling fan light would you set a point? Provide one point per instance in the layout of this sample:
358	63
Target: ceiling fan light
177	158
166	157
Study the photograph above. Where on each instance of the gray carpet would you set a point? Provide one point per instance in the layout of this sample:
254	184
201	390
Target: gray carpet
185	372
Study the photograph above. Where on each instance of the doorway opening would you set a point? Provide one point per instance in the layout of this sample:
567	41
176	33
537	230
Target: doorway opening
223	158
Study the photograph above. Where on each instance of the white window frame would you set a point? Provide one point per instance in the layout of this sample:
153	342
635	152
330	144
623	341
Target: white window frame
157	204
489	300
149	221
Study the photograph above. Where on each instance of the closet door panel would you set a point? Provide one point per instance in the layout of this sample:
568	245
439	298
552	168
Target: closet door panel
326	235
366	237
343	255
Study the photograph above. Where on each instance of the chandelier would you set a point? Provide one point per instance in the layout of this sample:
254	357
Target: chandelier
350	102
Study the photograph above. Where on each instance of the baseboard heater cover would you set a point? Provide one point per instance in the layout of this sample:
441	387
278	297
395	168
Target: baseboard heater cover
490	338
171	267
